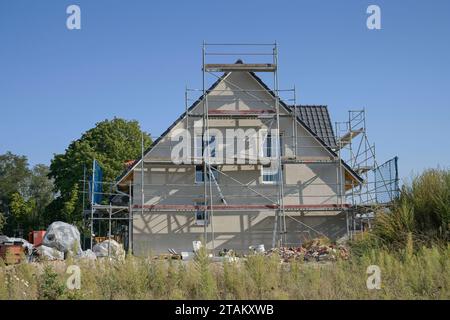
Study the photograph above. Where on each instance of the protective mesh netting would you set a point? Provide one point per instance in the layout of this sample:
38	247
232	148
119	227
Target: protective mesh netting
386	184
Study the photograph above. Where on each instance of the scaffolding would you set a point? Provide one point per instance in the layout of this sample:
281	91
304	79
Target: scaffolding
380	186
210	50
236	197
352	150
108	209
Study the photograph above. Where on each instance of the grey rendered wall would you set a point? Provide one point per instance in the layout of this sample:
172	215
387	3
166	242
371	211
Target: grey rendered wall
169	184
155	233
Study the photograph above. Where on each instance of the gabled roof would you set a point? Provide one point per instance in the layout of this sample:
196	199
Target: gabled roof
319	139
318	120
211	88
181	117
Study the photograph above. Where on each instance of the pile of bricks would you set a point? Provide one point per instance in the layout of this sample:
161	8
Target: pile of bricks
314	250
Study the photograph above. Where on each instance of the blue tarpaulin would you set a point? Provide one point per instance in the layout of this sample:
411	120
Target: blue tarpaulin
95	184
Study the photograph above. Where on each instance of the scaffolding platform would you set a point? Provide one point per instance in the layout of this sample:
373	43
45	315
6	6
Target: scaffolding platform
250	207
363	169
242	67
347	138
293	160
240	114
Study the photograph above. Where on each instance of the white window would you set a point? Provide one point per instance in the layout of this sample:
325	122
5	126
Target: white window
199	146
269	175
281	147
270	146
201	217
212	146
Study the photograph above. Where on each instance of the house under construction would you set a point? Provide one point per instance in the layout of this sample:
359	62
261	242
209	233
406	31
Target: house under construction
256	167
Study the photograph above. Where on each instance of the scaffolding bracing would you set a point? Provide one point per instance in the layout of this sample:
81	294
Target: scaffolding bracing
347	149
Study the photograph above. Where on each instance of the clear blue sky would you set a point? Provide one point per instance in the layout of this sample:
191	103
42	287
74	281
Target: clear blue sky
132	59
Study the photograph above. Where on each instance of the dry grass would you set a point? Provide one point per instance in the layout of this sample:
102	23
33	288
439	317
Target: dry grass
422	212
410	245
420	274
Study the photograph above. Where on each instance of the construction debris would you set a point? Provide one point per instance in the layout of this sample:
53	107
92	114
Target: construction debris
88	254
60	239
185	255
17	241
228	255
48	253
109	248
14	250
315	250
258	249
197	245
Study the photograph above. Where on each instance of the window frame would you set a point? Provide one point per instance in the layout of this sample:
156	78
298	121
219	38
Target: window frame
271	148
272	173
199	150
205	220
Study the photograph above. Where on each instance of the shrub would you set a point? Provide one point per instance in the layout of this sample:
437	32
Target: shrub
50	287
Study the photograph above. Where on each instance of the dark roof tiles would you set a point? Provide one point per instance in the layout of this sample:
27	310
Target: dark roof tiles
318	120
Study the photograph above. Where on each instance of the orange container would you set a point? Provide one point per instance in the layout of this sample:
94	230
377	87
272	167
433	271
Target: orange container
36	237
11	254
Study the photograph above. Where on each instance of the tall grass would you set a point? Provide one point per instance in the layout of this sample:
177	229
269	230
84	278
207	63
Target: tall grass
420	274
422	212
417	228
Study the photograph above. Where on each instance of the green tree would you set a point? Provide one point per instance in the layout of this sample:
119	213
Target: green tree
22	212
13	176
111	143
24	193
40	188
2	221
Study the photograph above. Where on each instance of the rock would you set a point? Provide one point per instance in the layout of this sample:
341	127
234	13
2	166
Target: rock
64	237
48	253
109	248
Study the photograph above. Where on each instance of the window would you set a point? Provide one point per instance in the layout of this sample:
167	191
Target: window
269	176
199	146
212	146
267	147
270	146
199	174
201	217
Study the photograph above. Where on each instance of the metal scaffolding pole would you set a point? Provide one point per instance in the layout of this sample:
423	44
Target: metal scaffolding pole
130	219
295	123
204	129
109	229
92	203
142	173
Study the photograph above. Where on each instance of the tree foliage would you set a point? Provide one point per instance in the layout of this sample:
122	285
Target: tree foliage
40	187
13	177
30	199
23	212
111	143
24	194
2	221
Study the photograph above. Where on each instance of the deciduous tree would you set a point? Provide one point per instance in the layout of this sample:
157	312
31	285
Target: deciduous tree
111	143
